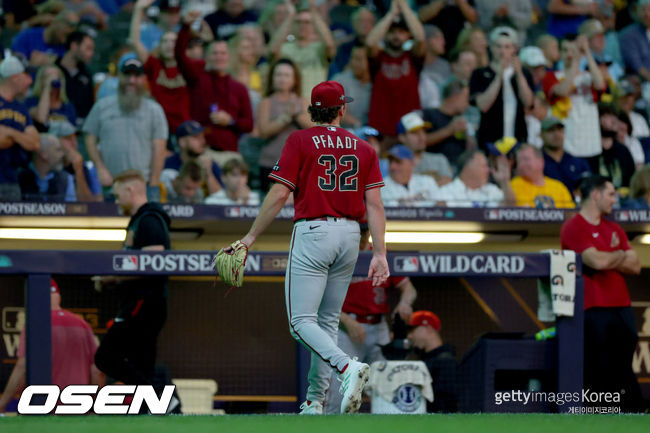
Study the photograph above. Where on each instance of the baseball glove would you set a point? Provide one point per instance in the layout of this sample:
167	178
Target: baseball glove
230	265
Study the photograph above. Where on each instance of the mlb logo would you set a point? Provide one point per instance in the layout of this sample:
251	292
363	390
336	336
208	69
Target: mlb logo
125	263
406	264
233	212
492	215
624	216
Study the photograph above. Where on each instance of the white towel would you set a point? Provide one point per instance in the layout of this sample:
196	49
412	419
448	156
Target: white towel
387	376
556	294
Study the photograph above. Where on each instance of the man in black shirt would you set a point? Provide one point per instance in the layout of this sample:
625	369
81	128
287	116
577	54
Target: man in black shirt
449	16
501	91
128	350
440	360
80	48
448	131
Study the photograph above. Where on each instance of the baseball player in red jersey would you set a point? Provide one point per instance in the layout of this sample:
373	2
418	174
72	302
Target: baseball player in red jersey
363	329
331	173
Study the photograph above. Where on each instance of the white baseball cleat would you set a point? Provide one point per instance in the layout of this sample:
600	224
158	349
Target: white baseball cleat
354	379
311	408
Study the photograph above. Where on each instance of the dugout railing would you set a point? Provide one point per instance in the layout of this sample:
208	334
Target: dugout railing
39	266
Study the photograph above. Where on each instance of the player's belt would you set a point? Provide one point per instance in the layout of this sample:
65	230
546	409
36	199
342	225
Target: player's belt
324	218
371	319
327	218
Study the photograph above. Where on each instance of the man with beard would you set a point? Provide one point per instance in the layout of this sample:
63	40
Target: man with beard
394	71
559	164
128	350
615	160
610	329
80	48
167	85
218	101
130	128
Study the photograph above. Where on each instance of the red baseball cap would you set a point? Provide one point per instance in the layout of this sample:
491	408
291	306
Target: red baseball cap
425	318
54	288
329	94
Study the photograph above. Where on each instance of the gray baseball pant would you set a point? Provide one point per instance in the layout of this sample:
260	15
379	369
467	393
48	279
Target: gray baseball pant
322	258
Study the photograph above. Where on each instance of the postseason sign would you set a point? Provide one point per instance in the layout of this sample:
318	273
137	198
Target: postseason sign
196	263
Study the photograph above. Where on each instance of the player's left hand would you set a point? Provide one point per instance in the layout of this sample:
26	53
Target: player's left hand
378	271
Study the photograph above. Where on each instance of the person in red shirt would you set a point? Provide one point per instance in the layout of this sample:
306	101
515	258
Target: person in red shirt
217	100
363	328
73	352
394	71
335	179
166	83
610	328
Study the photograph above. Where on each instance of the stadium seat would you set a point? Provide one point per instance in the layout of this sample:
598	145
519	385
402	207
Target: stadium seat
196	396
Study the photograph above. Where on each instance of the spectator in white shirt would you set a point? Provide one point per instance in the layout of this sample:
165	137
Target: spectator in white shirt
472	187
403	187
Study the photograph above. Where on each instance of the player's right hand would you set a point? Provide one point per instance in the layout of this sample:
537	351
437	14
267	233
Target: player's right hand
378	271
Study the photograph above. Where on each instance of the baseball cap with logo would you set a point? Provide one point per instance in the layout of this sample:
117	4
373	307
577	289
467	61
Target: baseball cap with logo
550	122
398	23
11	66
400	151
625	88
504	31
131	66
425	318
504	146
411	122
591	28
169	5
62	128
366	132
329	94
190	127
54	288
532	57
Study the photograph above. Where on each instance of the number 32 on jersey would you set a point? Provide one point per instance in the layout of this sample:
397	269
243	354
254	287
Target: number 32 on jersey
347	180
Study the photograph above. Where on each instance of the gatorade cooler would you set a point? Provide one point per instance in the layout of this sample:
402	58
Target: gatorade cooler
399	387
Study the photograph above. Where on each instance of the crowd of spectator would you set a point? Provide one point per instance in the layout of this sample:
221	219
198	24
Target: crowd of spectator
467	102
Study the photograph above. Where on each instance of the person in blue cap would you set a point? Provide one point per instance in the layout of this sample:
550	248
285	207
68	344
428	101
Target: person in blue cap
403	187
192	145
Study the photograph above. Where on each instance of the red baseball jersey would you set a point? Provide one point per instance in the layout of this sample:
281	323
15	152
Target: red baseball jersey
73	349
602	288
328	169
363	299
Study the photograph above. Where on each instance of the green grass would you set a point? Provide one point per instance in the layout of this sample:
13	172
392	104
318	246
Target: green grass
483	423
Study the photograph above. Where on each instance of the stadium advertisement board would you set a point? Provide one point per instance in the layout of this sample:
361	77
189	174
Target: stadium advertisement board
200	211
